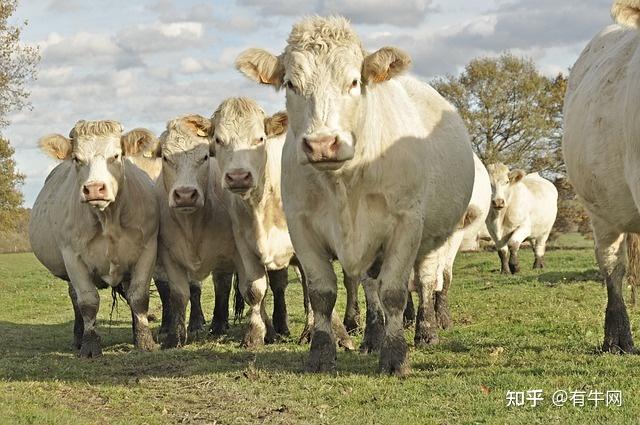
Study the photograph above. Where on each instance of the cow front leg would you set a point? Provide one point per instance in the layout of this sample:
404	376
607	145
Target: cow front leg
516	239
399	257
278	281
503	254
539	247
222	283
137	295
611	256
352	311
88	303
196	316
253	292
178	299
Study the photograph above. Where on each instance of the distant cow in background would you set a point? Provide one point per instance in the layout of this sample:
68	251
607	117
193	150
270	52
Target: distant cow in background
523	207
95	225
601	147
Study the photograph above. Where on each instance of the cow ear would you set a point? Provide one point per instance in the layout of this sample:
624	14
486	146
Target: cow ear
384	64
276	124
199	125
56	146
261	66
138	141
515	176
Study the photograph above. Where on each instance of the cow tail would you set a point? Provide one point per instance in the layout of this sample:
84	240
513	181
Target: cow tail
238	301
633	264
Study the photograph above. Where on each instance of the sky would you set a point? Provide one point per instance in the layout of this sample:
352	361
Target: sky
145	62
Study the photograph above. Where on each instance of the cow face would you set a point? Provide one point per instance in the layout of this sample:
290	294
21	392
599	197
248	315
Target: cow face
185	151
502	181
240	134
96	149
325	73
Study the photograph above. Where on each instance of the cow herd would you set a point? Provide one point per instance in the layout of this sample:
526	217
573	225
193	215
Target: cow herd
367	167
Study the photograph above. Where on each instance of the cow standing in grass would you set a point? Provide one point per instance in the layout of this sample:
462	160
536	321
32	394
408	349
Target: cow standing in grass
601	147
374	165
523	207
195	230
95	224
248	147
151	164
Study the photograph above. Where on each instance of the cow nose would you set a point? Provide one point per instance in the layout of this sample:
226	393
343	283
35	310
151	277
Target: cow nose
185	196
321	148
238	179
94	191
497	203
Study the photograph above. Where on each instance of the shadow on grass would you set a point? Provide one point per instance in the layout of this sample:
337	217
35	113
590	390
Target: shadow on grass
568	277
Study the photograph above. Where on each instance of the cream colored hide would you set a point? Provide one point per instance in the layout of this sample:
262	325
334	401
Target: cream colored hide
601	147
248	147
439	264
195	229
374	165
95	224
523	207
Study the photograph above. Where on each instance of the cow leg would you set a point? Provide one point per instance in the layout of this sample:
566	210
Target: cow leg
374	324
222	283
278	281
178	299
443	315
253	292
196	316
352	312
611	256
516	239
409	314
426	323
137	295
163	290
78	324
88	302
538	251
400	254
503	253
305	336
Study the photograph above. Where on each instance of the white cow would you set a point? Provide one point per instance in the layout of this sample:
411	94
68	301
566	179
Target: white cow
523	207
195	229
95	225
374	165
433	309
149	161
248	147
601	147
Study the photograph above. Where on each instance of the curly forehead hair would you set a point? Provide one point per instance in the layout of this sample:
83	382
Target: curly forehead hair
322	33
96	128
497	169
237	107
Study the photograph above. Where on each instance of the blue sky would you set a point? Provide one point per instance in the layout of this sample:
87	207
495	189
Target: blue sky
148	61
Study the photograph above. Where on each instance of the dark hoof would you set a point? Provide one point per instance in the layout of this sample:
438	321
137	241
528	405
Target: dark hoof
538	263
196	326
253	339
408	318
505	271
425	336
322	356
218	328
90	347
281	328
352	324
373	336
145	342
77	342
393	357
346	342
174	340
514	268
617	332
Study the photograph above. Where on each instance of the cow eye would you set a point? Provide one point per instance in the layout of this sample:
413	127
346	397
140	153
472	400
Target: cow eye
219	141
114	157
261	139
354	84
76	160
291	86
204	158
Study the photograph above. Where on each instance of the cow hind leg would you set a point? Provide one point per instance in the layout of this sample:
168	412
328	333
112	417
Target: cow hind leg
163	290
352	312
374	325
222	283
443	315
278	281
196	316
539	246
426	322
409	315
611	256
78	324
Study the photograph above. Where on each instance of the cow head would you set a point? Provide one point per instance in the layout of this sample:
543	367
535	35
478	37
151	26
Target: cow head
502	181
96	149
241	131
325	73
185	152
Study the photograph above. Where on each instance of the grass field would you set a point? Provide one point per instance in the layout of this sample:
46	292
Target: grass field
539	330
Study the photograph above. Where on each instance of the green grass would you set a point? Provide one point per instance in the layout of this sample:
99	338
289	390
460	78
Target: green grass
539	330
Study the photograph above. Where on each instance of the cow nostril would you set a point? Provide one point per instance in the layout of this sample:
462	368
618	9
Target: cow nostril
247	177
194	195
306	144
228	178
85	190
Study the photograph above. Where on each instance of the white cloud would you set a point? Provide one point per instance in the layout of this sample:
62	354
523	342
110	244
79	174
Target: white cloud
160	37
